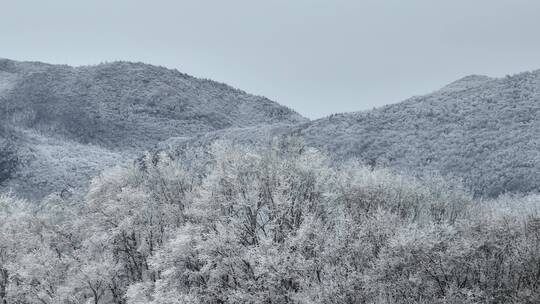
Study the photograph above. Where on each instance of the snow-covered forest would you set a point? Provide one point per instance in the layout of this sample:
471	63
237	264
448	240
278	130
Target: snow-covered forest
276	223
131	183
269	152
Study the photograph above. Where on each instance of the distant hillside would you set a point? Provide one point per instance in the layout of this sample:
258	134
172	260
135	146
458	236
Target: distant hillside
481	130
67	123
61	125
127	105
485	131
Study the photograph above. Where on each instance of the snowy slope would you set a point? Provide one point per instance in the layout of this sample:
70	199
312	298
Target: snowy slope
126	105
485	131
67	123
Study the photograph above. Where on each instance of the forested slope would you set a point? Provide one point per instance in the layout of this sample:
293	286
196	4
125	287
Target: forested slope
485	131
68	123
127	105
482	130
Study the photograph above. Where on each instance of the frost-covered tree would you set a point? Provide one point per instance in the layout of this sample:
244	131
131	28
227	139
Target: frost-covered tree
277	223
243	242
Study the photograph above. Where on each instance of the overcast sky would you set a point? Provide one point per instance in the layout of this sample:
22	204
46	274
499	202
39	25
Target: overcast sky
318	57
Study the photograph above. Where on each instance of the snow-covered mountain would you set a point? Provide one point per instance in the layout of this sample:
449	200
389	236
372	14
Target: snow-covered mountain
126	105
67	123
483	130
62	125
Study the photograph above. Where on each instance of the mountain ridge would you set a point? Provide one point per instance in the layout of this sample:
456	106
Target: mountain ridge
116	110
482	130
85	103
470	133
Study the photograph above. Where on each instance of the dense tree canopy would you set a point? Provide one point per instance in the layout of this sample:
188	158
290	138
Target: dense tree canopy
272	224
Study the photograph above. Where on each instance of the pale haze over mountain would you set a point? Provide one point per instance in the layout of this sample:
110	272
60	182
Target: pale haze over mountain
318	57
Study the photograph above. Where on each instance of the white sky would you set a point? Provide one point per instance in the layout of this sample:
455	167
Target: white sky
315	56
